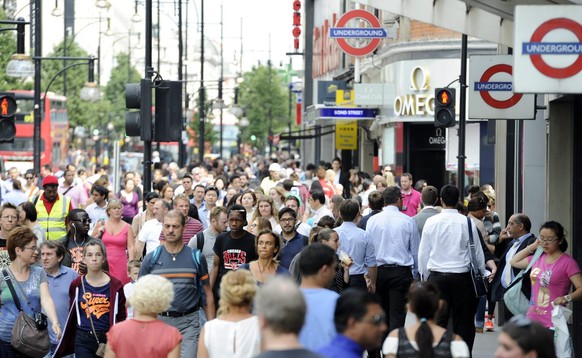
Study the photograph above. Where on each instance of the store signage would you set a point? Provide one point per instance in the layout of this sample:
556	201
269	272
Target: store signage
326	92
326	54
421	101
348	113
374	94
491	90
296	23
548	43
341	33
346	135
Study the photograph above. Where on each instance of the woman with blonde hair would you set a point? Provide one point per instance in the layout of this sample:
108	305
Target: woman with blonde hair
118	238
330	175
152	294
277	193
266	209
235	331
259	224
249	201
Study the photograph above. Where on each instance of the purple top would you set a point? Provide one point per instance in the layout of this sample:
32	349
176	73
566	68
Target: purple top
130	208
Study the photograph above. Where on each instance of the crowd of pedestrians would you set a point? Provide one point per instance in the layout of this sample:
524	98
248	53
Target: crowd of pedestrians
245	258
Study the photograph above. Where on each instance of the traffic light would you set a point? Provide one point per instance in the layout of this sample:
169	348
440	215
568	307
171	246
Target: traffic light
168	123
7	112
444	107
136	97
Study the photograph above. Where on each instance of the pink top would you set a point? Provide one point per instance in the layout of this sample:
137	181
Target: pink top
548	282
411	202
116	247
155	338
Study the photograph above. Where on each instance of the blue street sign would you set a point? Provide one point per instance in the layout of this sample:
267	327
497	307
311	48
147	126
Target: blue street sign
348	113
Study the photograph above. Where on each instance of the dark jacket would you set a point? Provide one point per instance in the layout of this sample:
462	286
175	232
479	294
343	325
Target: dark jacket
118	313
497	290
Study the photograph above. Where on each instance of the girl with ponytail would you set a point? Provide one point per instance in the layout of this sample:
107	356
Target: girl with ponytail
424	339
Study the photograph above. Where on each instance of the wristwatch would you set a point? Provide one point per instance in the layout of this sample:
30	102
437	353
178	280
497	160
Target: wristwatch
568	298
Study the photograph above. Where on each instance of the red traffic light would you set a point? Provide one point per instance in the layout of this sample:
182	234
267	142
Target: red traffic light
7	106
444	97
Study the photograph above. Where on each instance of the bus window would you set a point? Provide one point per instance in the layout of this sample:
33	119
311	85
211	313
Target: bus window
20	145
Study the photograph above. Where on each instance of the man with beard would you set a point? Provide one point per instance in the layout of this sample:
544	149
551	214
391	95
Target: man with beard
293	242
74	241
8	220
52	209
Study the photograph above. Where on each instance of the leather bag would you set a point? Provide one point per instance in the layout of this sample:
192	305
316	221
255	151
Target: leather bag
28	337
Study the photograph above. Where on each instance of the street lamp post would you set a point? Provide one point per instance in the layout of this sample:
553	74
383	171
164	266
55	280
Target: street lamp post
201	104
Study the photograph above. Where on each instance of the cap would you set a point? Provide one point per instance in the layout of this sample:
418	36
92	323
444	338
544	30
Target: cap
50	180
275	167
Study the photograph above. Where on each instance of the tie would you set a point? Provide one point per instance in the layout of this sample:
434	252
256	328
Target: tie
507	272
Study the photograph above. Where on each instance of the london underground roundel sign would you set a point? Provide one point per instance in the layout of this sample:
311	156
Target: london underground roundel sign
342	33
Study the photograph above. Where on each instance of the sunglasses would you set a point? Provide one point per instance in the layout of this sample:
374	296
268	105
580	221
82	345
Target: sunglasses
28	178
376	320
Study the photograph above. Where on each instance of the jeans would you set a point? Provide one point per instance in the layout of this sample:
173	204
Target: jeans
189	327
86	344
480	316
7	351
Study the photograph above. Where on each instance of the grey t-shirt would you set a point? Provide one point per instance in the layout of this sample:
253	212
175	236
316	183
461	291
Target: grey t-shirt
183	274
209	240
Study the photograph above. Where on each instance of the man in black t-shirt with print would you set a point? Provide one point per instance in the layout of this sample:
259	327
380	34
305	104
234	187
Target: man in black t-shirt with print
232	248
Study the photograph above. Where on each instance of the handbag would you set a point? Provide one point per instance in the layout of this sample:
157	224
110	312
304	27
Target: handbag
100	346
479	284
30	336
515	301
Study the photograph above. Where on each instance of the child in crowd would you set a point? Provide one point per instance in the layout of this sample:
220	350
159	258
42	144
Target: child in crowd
133	267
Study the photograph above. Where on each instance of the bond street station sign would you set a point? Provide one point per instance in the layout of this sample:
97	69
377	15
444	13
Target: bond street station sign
341	32
548	49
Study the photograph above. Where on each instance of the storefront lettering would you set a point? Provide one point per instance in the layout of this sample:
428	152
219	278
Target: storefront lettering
326	54
416	104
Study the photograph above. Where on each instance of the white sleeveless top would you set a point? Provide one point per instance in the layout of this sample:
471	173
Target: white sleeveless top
232	339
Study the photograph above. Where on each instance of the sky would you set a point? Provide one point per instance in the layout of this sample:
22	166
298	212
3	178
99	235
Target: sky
260	18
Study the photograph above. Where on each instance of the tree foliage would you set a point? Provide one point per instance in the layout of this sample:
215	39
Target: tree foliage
122	73
262	94
7	49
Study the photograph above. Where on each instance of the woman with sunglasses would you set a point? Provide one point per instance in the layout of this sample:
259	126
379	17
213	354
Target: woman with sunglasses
417	340
30	188
551	275
522	338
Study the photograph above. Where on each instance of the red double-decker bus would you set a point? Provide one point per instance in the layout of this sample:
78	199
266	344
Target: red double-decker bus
54	132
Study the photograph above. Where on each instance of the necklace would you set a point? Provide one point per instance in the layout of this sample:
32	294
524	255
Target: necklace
260	270
175	253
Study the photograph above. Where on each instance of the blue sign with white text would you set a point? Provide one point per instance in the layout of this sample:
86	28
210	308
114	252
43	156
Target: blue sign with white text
349	113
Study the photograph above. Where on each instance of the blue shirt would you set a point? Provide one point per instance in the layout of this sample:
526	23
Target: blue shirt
59	289
358	244
291	248
204	216
395	237
342	347
319	327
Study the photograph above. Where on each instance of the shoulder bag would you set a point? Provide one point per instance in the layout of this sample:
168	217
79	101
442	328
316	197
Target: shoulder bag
514	299
29	336
478	280
100	346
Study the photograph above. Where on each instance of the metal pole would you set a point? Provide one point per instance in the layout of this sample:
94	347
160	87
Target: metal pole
221	77
147	144
201	104
37	83
181	149
462	98
290	106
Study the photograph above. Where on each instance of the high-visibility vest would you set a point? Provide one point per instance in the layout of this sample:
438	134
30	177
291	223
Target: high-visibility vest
54	224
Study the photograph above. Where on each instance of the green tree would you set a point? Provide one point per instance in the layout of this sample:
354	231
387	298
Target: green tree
122	73
7	49
263	95
81	113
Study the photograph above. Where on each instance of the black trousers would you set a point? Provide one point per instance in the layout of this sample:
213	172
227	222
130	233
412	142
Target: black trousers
358	282
461	304
392	287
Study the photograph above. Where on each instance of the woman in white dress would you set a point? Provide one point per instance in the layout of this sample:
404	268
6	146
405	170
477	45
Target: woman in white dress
235	331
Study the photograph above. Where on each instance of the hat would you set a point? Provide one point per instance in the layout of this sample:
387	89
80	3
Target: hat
275	167
50	180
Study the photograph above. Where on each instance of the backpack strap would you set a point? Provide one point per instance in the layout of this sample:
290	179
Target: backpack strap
155	257
200	240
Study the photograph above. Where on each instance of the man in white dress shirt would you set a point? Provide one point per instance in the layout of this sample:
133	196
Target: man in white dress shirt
444	258
149	235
